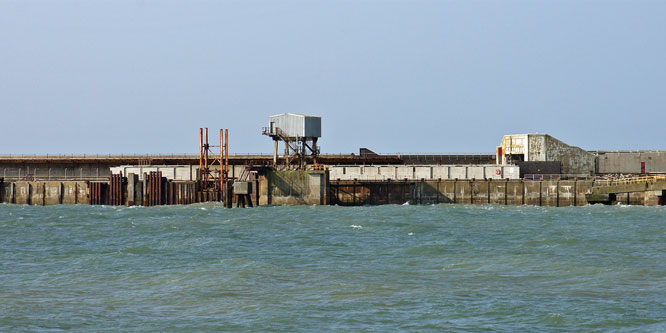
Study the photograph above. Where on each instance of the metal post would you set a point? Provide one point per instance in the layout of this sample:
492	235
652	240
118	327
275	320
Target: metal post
221	163
286	153
275	152
206	176
200	154
227	198
302	162
226	152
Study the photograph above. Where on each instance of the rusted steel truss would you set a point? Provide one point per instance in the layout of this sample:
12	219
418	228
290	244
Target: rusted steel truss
214	182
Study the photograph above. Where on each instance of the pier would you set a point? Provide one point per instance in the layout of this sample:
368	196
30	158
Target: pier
527	169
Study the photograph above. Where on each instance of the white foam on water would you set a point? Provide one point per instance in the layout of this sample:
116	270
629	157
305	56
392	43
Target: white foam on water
356	226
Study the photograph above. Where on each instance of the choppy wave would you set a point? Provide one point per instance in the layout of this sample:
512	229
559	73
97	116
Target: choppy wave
384	268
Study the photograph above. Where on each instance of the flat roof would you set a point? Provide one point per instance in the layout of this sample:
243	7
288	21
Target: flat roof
295	114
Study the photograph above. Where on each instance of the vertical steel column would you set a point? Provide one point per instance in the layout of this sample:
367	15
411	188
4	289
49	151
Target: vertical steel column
221	163
159	189
150	188
153	188
302	161
315	153
275	153
112	180
119	191
200	154
286	154
112	194
226	169
206	176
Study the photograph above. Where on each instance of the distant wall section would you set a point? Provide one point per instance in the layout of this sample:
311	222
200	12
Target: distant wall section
631	162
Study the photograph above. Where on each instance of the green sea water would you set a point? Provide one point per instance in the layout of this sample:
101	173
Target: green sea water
384	268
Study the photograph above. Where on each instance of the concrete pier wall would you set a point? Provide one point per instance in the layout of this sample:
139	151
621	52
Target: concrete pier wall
45	193
294	188
553	193
315	188
13	171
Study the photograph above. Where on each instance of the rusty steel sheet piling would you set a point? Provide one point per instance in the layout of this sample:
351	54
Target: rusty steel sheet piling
116	189
155	190
96	193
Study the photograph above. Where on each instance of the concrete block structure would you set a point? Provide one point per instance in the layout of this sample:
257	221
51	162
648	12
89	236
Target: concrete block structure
45	192
297	187
543	147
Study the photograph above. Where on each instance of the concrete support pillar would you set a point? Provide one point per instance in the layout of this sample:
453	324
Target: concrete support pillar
131	182
144	191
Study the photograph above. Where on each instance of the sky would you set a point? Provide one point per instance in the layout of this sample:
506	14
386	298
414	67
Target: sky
135	77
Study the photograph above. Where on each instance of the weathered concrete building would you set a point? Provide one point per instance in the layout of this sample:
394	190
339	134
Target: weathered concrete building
631	162
543	147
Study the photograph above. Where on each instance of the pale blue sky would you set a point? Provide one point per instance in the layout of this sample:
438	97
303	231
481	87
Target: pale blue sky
393	76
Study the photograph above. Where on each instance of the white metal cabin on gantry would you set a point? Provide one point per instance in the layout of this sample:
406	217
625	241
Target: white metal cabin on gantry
294	125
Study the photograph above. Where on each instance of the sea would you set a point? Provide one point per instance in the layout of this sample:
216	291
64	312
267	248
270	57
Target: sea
409	268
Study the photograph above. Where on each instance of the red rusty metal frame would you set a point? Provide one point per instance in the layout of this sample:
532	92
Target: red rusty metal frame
212	186
210	181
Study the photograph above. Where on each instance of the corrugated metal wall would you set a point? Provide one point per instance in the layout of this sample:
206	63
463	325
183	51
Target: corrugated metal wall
297	125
